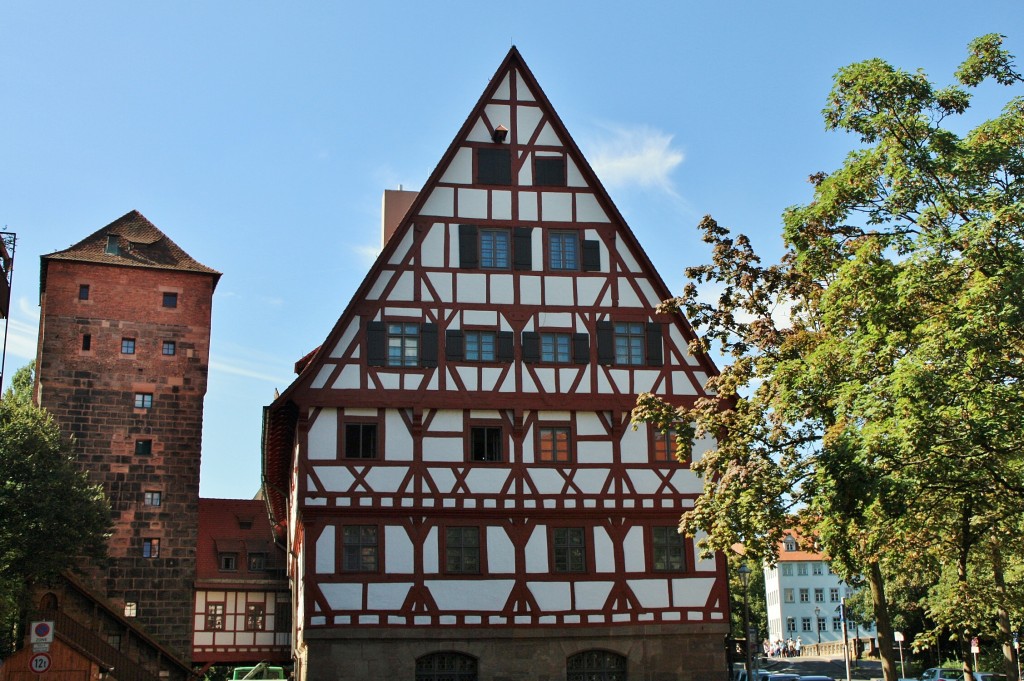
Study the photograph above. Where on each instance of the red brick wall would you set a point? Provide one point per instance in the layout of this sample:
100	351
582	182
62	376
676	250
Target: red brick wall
91	394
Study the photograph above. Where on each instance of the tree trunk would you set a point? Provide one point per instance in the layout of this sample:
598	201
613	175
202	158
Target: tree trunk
882	622
1002	614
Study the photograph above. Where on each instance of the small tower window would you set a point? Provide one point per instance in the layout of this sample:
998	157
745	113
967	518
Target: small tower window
170	299
127	346
83	292
170	347
143	447
86	342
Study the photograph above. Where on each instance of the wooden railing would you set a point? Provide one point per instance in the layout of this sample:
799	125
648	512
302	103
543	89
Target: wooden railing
77	635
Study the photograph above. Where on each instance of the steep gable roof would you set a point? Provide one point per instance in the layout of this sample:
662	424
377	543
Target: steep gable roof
234	526
131	241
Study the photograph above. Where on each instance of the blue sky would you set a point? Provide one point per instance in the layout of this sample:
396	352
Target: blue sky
260	135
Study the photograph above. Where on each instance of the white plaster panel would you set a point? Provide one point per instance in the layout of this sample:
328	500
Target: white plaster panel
388	596
498	114
702	446
528	386
501	554
343	596
591	595
392	311
548	137
537	248
567	376
621	379
441	203
529	290
523	93
472	287
460	170
634	444
346	339
676	338
478	318
588	423
574	178
589	288
528	206
486	480
551	596
547	480
604	551
443	479
489	378
484	414
322	375
502	289
404	289
682	384
377	289
479	133
553	416
702	380
385	479
323	435
555	207
501	205
528	452
633	548
594	452
589	210
558	290
335	478
591	481
398	255
650	296
432	247
685	481
446	420
628	296
431	553
442	282
398	443
527	118
466	594
537	551
473	203
202	638
503	90
469	377
692	592
526	170
652	593
627	256
359	411
555	320
399	556
390	381
325	552
709	563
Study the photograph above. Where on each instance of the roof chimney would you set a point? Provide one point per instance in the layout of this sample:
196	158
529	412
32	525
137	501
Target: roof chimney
395	205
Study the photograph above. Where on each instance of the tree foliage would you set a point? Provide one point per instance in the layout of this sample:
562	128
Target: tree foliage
52	515
873	384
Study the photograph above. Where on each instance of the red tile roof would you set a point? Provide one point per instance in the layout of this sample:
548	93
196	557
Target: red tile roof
139	243
220	532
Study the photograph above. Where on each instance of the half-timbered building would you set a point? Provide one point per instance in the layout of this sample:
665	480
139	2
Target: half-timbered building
463	492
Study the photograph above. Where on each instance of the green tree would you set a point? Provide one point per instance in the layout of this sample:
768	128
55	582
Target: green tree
886	411
52	515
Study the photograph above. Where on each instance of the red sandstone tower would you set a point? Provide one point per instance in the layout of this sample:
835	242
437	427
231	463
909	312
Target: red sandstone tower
122	362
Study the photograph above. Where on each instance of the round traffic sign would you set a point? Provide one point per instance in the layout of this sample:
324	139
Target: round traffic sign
39	663
42	629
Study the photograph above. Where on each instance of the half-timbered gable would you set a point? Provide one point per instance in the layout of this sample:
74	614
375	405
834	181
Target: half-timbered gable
456	464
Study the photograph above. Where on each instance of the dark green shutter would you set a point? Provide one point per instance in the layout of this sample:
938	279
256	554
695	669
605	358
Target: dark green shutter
605	343
522	246
428	345
376	344
469	252
531	347
654	345
453	345
504	346
591	255
581	348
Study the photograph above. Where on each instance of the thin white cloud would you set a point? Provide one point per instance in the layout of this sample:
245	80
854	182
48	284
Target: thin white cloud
368	254
635	156
23	331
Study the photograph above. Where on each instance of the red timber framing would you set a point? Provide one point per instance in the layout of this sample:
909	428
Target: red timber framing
457	455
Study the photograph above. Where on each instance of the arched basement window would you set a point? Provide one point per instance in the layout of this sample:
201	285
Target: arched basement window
596	665
446	666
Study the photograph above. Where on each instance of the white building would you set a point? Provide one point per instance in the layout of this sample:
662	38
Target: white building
803	597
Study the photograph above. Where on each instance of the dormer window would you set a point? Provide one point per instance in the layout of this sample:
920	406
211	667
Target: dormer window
245	523
112	247
789	544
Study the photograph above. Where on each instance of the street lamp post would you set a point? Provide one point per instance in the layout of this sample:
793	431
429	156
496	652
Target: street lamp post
817	624
745	578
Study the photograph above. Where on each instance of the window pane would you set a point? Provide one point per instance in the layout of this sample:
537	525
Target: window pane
494	249
563	251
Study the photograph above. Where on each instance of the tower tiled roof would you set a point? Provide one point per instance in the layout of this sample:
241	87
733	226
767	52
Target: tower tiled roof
131	241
